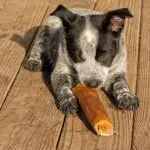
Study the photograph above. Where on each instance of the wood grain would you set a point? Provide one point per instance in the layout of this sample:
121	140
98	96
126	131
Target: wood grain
16	18
141	128
2	3
74	3
29	118
76	133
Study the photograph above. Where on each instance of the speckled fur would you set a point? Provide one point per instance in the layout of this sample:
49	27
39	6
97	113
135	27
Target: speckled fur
67	73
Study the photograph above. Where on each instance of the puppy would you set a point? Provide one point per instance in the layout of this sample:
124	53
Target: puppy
87	47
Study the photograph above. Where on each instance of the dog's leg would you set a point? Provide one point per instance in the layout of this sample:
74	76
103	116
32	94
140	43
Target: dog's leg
34	62
46	42
62	83
116	83
123	98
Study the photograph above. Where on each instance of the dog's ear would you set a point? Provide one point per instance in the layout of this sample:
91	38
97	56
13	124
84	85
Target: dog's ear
115	19
67	16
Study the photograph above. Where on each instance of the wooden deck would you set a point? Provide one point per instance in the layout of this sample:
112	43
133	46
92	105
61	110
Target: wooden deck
29	119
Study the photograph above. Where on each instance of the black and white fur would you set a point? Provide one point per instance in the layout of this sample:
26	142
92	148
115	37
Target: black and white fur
84	46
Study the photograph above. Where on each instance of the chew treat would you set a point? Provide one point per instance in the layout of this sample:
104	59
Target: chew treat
93	109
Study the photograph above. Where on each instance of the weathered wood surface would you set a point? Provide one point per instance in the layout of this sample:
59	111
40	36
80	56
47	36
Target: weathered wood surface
29	118
17	17
75	135
141	128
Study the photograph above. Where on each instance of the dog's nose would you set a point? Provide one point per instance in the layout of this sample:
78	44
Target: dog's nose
92	83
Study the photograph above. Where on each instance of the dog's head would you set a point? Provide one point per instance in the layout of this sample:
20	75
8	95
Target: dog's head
92	41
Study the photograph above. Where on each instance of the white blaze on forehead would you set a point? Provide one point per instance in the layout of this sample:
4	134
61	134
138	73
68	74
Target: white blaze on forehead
88	35
88	39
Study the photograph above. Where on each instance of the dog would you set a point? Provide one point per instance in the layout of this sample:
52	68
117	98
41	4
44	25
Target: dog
87	47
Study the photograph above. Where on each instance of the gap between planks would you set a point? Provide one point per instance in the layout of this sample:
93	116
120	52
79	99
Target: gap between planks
139	48
141	134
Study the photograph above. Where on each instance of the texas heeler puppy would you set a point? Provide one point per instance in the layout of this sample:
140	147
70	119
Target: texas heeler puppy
87	47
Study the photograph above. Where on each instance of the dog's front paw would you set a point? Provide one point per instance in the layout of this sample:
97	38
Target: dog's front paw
68	103
127	101
33	64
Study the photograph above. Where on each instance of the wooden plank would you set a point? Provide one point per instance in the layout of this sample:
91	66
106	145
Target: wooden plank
73	3
141	132
16	18
2	3
29	118
76	133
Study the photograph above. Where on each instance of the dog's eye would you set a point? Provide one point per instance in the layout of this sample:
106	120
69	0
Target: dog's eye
103	52
102	55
